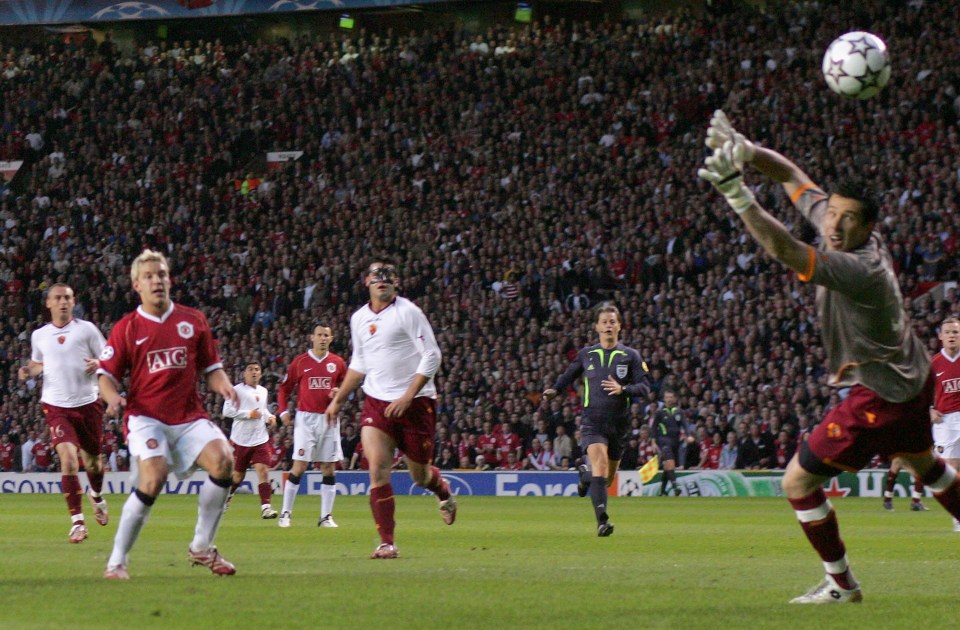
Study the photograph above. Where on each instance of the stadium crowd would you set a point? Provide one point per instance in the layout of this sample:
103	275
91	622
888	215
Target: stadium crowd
518	176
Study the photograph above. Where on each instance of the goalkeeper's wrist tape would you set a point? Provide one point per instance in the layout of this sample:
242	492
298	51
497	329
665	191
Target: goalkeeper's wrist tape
729	178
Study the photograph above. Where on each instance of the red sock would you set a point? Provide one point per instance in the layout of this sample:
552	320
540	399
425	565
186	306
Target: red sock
945	484
823	532
96	481
437	486
233	487
891	480
918	488
265	492
73	493
382	505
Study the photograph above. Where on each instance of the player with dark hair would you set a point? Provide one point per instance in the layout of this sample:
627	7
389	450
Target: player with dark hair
250	437
165	347
668	431
65	351
872	350
395	357
608	367
315	375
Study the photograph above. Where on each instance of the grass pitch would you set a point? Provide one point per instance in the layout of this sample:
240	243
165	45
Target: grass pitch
531	562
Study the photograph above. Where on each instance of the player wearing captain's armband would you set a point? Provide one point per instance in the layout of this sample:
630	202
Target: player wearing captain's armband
395	356
872	350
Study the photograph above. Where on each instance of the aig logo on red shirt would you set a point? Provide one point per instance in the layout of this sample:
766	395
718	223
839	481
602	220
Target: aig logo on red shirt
951	386
320	382
167	359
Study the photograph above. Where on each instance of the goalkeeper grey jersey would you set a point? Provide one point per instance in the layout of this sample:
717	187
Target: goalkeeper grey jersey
866	333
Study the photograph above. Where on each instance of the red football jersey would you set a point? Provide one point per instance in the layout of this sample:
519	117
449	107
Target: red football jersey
6	456
489	444
165	356
948	382
313	378
508	442
108	443
713	456
42	455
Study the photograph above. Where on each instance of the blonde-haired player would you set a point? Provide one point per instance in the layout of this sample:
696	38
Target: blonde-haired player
164	348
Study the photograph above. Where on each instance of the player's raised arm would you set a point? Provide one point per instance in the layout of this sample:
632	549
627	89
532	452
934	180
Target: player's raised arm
772	164
721	171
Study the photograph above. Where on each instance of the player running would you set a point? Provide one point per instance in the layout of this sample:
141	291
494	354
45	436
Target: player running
65	351
249	435
165	347
315	375
395	356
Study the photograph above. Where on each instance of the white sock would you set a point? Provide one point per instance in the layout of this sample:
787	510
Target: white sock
327	496
289	494
210	506
132	519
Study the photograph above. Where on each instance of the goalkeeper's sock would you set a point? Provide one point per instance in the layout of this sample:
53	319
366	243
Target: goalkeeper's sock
819	522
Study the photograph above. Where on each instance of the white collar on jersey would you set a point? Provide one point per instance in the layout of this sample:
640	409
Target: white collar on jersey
154	318
948	357
315	358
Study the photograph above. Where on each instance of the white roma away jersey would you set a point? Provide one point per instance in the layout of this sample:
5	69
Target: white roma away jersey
391	346
62	350
248	431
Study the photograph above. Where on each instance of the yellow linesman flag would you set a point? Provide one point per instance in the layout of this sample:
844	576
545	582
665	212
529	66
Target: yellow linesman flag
648	470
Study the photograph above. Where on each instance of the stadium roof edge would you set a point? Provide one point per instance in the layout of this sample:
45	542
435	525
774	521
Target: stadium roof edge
52	12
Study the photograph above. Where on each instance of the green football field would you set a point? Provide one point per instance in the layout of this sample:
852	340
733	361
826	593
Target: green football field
530	562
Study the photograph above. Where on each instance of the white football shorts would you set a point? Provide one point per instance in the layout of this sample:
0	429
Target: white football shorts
946	436
179	444
313	440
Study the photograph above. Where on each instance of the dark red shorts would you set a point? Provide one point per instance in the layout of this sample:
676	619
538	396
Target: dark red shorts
82	426
246	456
413	432
864	425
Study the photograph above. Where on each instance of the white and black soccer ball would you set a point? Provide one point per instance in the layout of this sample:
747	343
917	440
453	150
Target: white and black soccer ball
131	11
856	65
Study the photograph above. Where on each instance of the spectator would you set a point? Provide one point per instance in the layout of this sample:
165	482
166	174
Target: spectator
26	452
730	452
563	443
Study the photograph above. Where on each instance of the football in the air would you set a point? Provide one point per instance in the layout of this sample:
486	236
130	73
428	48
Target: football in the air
857	65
